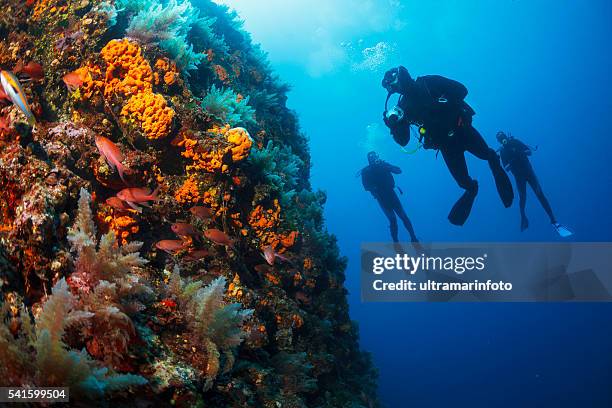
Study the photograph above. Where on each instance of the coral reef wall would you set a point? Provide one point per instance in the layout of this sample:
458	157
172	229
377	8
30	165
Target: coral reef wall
160	243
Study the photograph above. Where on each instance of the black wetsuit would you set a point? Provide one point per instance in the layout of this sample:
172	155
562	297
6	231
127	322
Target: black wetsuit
514	156
378	179
437	103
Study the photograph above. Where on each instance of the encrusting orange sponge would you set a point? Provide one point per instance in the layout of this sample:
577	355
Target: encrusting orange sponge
127	72
150	111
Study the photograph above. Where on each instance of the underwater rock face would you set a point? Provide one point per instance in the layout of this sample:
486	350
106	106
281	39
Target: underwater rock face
160	243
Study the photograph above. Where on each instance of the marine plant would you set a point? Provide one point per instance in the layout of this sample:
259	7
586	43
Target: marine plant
277	165
214	323
99	260
37	355
175	27
228	107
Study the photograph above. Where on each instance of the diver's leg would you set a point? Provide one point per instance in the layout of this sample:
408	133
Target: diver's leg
401	213
521	186
537	189
475	144
455	161
390	214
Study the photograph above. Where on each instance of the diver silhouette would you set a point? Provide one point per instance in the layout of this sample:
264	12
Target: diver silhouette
436	105
377	178
515	157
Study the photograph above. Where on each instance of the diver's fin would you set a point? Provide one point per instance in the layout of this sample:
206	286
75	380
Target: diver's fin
503	184
524	223
462	208
563	231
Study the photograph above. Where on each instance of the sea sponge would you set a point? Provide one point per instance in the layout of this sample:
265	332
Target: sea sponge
151	113
241	141
127	72
123	226
166	70
265	223
190	191
214	155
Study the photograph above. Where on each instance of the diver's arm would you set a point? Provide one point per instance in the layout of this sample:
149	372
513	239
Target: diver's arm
393	169
526	149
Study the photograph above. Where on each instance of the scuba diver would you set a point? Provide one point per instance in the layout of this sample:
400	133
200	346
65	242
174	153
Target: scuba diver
515	157
377	178
436	105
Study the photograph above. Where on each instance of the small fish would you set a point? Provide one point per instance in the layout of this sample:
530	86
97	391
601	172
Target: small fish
138	195
15	93
75	79
32	69
117	204
263	268
196	255
200	212
270	255
112	154
169	303
171	246
218	237
183	229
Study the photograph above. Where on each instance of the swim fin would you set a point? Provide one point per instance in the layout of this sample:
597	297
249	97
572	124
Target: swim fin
524	223
563	231
503	183
462	208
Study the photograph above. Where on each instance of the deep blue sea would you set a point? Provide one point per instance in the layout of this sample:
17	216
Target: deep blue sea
539	69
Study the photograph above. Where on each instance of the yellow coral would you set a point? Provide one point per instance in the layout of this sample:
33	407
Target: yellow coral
167	69
241	141
127	72
150	111
189	192
123	226
48	8
215	156
265	223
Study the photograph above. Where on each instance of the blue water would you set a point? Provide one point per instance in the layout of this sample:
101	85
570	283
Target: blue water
540	69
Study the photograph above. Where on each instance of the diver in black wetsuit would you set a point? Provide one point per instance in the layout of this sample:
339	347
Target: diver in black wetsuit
515	157
436	104
377	178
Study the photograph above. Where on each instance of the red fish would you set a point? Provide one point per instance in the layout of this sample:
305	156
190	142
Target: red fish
117	204
32	69
112	154
263	268
270	255
183	229
169	303
138	195
74	79
196	255
200	212
218	237
171	246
